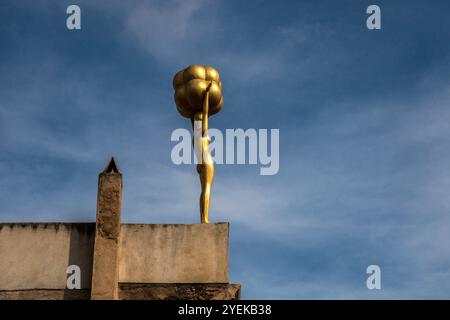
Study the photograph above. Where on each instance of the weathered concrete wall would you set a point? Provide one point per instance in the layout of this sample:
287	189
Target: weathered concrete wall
174	253
155	261
36	255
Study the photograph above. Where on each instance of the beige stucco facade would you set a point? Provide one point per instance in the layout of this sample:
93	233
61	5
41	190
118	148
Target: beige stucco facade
36	255
174	253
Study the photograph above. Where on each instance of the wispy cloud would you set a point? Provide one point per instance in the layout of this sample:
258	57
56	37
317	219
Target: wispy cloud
169	29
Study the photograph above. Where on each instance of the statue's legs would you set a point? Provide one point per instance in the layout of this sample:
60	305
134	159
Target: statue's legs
206	172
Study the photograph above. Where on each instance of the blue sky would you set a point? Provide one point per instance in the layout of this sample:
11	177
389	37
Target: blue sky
364	132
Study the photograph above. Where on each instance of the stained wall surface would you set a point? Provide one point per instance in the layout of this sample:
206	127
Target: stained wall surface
174	253
36	255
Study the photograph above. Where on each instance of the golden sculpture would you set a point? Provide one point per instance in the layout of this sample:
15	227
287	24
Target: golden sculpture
198	95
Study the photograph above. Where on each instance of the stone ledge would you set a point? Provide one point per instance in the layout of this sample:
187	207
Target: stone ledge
45	294
173	291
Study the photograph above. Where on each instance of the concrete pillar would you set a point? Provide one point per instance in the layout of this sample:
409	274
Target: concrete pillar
105	271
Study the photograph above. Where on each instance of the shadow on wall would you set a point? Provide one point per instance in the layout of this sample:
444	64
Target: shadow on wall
81	248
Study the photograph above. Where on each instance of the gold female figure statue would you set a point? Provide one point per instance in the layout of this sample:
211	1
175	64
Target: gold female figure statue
198	95
205	166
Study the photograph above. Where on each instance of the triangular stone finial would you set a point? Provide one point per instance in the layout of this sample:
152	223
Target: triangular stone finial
112	166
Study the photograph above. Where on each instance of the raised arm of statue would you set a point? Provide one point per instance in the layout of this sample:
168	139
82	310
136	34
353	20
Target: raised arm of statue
206	109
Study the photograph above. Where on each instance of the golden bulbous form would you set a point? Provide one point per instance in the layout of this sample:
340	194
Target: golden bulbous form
190	85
